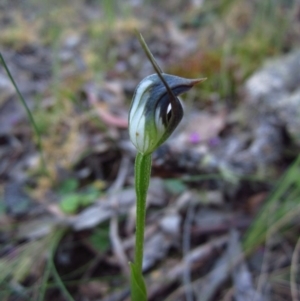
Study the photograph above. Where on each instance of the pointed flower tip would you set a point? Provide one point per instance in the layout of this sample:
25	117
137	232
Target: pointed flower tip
198	80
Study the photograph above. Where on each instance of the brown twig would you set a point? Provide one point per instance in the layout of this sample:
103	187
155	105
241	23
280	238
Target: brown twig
186	277
201	253
117	246
104	115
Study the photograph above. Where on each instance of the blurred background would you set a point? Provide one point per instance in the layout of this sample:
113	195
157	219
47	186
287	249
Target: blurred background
225	189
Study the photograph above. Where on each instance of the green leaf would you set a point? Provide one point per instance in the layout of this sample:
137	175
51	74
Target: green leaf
175	186
137	283
68	186
89	196
100	239
70	203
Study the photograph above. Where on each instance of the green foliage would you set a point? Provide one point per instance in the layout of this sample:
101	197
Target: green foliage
175	186
281	207
29	256
100	239
19	267
72	200
68	186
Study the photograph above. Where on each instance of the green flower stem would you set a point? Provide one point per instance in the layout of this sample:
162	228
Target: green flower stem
142	179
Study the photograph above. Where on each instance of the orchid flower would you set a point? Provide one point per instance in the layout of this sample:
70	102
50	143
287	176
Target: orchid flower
154	113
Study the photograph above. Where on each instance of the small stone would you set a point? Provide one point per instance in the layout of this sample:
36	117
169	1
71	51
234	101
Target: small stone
170	224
